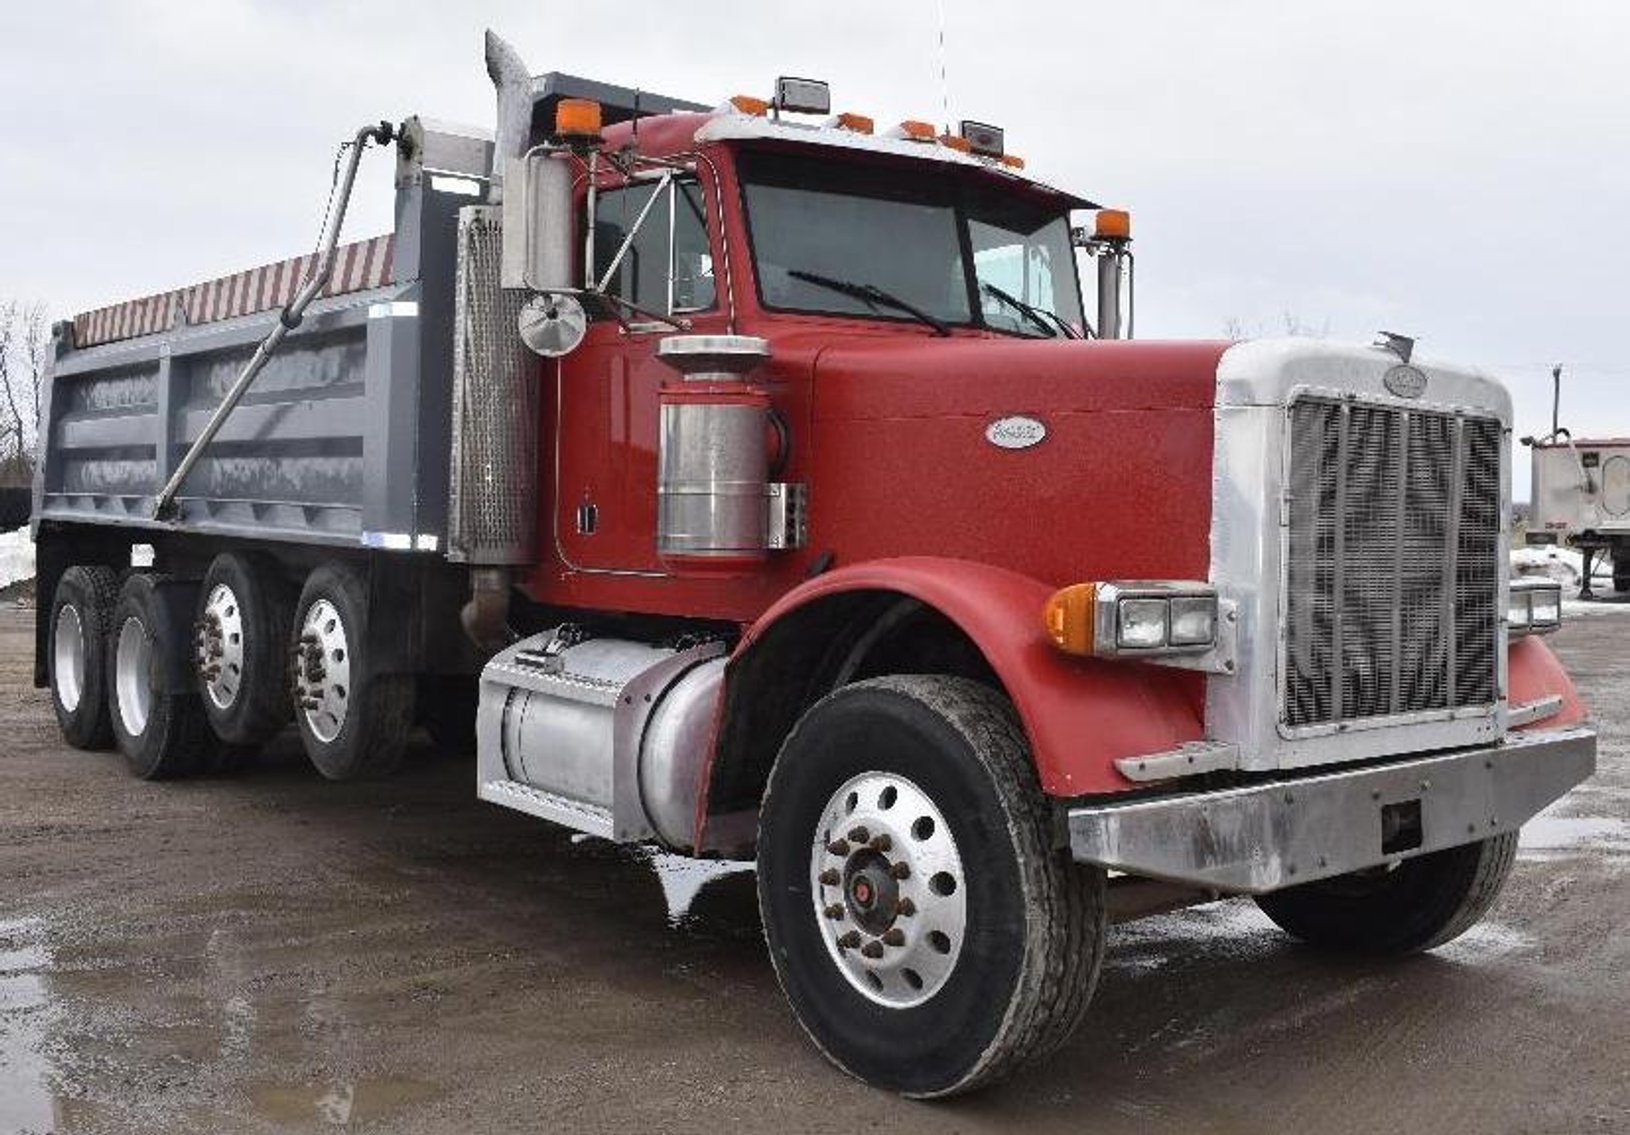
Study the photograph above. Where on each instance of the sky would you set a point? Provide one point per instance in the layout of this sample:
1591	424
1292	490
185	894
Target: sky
1458	172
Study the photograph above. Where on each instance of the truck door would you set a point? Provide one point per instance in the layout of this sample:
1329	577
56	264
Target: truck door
605	511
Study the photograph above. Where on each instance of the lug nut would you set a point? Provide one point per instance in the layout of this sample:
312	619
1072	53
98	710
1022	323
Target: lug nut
859	835
901	870
834	911
849	941
838	847
905	908
882	842
894	936
830	877
872	949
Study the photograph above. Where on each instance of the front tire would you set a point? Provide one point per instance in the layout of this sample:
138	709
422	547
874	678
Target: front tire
353	720
162	734
952	939
81	615
1417	905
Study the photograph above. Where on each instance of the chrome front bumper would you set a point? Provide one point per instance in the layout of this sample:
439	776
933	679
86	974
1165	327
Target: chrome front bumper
1265	837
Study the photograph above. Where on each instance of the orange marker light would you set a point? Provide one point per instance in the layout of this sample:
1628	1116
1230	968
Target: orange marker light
577	118
747	104
858	123
1068	617
953	142
1013	161
1113	224
916	131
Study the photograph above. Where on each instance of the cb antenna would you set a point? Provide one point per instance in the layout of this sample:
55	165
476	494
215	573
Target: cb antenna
945	85
1556	396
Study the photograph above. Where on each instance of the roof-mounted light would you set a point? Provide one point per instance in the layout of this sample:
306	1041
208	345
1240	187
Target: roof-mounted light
577	119
748	105
802	96
854	123
982	138
913	130
1113	224
1013	161
956	142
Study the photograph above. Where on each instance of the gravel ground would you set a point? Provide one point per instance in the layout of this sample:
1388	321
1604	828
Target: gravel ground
272	952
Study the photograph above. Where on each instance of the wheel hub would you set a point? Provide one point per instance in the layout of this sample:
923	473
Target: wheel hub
68	657
320	671
132	669
218	649
888	889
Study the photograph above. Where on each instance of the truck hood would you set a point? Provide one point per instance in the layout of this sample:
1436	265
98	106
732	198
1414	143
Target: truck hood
913	450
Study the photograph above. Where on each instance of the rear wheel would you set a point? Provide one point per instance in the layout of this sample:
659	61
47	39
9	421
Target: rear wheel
160	730
1415	905
925	922
353	720
81	614
245	611
447	705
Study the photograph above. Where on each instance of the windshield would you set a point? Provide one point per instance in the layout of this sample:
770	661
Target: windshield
941	247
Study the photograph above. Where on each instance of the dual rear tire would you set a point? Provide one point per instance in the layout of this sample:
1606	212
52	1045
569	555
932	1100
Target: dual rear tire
123	675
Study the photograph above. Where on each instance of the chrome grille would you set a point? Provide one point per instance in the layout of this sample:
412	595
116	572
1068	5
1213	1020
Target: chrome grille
493	507
1392	562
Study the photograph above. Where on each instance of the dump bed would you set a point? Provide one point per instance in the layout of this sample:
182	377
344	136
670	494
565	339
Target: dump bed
343	438
1581	486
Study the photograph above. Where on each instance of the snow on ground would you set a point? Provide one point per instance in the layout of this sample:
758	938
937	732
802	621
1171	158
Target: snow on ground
1565	565
16	557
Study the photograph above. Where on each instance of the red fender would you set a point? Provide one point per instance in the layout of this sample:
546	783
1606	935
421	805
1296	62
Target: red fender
1533	672
1080	714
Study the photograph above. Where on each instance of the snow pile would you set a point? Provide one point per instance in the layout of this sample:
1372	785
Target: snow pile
1565	565
16	557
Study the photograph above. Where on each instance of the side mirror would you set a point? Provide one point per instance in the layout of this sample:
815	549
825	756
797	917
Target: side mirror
537	251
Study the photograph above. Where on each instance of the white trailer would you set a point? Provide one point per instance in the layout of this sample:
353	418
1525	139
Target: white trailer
1581	497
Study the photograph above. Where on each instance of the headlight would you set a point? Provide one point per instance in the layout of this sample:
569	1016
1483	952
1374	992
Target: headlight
1133	618
1536	607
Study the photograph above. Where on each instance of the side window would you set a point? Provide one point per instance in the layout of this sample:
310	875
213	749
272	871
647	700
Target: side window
656	274
1019	267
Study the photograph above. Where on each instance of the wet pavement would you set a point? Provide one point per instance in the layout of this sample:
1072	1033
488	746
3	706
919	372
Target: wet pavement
272	952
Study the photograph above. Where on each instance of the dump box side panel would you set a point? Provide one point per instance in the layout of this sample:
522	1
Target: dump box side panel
1582	487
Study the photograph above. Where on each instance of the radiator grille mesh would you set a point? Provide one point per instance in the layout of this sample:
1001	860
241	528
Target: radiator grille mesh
1392	597
493	512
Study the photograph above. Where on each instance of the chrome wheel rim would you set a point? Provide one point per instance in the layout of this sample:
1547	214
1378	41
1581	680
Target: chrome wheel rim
68	657
220	646
323	671
132	665
890	892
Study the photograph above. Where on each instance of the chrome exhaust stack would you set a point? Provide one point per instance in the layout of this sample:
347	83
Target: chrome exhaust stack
513	84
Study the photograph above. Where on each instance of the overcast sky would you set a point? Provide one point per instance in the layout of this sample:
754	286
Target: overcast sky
1455	171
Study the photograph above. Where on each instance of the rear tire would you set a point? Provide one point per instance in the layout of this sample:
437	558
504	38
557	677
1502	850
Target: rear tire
994	960
354	721
163	735
81	616
245	611
447	705
1418	905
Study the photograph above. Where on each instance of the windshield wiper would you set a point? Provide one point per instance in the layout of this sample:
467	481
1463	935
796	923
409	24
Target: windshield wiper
873	295
1038	315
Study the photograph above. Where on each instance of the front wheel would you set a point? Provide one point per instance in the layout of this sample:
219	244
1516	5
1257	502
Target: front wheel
924	919
1415	905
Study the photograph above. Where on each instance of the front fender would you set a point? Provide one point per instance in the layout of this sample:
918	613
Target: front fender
1079	714
1532	673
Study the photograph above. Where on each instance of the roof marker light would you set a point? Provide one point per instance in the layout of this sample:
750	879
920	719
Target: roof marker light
854	123
1013	161
747	104
953	142
913	130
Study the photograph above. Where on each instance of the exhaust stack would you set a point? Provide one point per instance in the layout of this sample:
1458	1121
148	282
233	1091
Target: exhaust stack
513	84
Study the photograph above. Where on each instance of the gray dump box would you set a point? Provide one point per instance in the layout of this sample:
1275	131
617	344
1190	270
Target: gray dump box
344	437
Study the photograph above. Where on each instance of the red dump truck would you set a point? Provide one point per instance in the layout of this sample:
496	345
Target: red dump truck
753	479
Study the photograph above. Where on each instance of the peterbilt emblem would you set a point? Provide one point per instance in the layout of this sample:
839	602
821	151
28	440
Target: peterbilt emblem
1016	432
1405	381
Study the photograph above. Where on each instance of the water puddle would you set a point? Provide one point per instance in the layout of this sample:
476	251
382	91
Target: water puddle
683	878
26	1101
1556	836
339	1104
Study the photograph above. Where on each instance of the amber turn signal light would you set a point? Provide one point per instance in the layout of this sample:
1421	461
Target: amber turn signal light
1070	616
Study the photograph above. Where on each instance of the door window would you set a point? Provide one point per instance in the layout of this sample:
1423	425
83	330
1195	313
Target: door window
668	267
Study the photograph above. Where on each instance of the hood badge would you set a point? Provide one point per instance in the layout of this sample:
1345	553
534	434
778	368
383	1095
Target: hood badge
1016	432
1405	381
